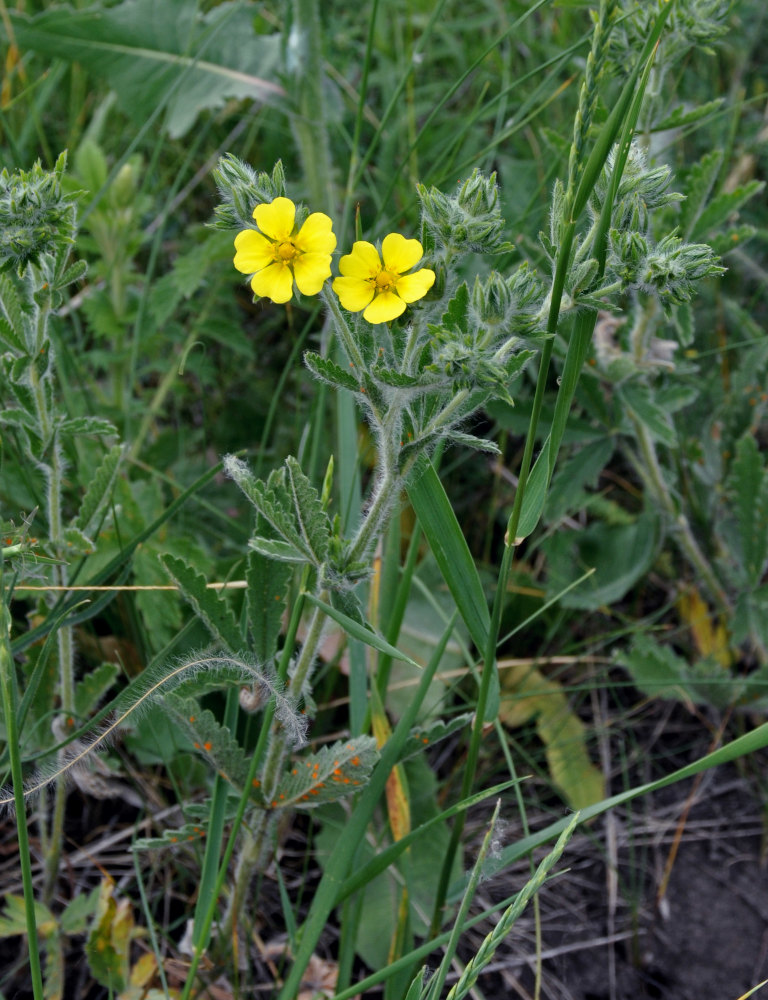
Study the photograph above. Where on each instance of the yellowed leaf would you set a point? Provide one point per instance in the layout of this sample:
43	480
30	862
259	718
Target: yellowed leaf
709	634
527	695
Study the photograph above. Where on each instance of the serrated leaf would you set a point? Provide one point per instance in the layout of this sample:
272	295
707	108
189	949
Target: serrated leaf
89	425
700	181
271	500
75	916
471	441
456	316
274	549
724	205
682	115
396	379
10	303
11	338
749	480
330	774
640	399
208	606
215	742
161	50
189	833
13	920
311	516
77	541
266	599
722	243
19	418
72	274
327	371
427	736
99	490
93	686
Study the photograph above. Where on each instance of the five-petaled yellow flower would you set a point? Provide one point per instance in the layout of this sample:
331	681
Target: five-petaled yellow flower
278	255
382	289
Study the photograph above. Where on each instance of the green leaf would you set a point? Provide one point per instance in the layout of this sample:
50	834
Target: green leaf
456	316
311	517
471	441
274	549
426	736
640	399
700	181
93	686
682	115
215	742
716	214
11	306
581	470
89	425
749	480
332	773
150	51
75	916
208	606
11	338
436	516
190	833
327	371
78	542
358	631
619	556
266	599
99	490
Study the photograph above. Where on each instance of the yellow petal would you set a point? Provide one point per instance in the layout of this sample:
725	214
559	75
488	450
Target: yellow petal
399	253
363	262
310	271
315	236
415	286
254	251
276	219
274	282
354	293
385	306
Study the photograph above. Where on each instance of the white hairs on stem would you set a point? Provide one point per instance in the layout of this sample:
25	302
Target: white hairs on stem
148	688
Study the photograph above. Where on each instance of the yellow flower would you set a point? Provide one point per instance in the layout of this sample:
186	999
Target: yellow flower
277	255
382	289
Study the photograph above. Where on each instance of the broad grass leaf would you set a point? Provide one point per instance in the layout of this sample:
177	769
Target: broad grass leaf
154	51
528	695
450	549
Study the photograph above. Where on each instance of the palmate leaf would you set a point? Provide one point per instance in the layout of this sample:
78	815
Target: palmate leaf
328	775
153	49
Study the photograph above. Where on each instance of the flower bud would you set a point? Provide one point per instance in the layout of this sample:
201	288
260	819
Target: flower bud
469	221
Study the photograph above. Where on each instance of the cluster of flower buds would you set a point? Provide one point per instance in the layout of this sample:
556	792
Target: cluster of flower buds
469	221
35	216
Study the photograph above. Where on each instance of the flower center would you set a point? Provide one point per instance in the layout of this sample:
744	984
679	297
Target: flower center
285	250
386	281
